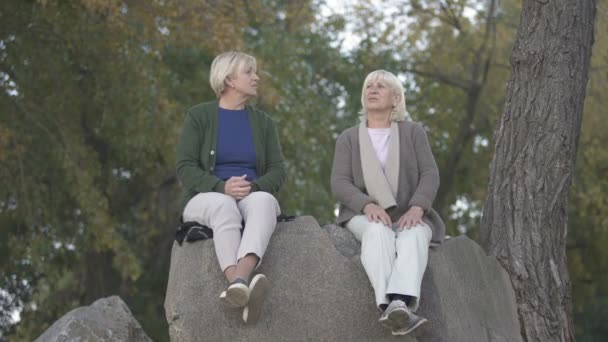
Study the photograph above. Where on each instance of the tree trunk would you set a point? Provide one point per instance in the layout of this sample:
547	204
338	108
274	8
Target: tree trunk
524	219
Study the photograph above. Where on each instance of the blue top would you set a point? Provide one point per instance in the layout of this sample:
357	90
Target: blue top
235	150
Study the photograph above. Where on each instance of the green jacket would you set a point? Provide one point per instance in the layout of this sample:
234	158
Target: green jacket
196	148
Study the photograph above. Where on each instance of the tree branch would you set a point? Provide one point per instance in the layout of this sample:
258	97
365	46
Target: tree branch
451	17
441	77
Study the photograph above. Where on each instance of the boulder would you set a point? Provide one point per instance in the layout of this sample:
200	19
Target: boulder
107	319
344	241
320	292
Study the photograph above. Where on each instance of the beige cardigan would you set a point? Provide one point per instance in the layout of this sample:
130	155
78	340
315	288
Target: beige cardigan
418	177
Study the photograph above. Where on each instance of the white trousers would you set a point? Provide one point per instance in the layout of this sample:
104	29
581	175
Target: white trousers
223	214
394	259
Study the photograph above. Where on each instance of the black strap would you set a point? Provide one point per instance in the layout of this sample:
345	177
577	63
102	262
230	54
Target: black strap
285	218
193	231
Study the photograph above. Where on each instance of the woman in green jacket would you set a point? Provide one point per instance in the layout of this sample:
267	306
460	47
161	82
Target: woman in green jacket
229	163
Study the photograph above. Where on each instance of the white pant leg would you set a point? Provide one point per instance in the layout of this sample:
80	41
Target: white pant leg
220	213
259	210
377	253
412	255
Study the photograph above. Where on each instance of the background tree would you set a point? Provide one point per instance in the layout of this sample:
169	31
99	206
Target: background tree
525	222
93	93
89	123
587	225
93	96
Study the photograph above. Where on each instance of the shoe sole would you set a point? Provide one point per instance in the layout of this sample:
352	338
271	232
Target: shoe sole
421	322
258	290
236	295
396	319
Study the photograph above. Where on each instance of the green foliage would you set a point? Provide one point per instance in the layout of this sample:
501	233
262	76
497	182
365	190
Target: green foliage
99	91
89	123
93	94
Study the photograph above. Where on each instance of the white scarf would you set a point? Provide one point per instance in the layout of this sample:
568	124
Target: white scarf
381	186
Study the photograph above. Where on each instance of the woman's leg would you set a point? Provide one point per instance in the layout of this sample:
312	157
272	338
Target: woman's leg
377	253
412	255
220	213
259	210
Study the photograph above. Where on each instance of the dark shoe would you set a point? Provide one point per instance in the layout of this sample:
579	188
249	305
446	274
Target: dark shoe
258	289
396	315
414	322
236	295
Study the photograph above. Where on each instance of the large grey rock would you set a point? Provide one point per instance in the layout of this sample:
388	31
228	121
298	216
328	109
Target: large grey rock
467	295
321	292
107	319
343	240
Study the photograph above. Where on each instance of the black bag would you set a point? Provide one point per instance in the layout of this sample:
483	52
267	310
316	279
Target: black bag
194	231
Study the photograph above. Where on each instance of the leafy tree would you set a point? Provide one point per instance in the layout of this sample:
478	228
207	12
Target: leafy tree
94	94
90	124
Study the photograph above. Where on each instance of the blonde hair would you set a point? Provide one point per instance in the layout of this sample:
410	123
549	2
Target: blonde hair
399	113
225	65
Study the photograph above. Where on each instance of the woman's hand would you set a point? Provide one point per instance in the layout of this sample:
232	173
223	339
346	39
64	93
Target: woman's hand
237	187
411	218
375	213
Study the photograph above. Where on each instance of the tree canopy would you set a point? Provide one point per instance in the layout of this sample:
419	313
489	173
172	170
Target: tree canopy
93	94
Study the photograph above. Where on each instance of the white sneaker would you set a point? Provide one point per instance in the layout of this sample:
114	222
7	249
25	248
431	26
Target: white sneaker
396	315
414	322
236	295
258	289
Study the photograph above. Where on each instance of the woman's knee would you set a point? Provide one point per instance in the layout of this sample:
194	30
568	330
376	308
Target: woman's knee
375	232
424	231
206	205
420	232
262	196
226	210
261	201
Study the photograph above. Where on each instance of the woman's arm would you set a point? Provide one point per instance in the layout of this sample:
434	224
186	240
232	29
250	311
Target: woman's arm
275	174
428	174
342	184
188	165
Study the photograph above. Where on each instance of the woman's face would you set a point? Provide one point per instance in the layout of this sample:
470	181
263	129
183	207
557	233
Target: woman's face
245	81
379	97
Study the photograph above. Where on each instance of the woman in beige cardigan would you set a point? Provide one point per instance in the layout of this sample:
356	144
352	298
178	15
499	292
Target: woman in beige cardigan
385	178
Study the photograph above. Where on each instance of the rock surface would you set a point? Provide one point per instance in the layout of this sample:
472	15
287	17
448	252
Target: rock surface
320	292
107	319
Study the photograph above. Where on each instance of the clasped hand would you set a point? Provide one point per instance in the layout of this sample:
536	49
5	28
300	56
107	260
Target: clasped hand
408	220
237	187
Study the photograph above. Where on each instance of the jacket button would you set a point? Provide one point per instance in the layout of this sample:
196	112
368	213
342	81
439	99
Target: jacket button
212	152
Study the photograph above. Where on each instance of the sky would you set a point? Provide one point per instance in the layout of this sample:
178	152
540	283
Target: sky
344	8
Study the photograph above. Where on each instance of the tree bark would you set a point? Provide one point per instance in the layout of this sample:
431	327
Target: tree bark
524	220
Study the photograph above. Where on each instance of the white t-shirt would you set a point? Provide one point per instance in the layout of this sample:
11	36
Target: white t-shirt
379	138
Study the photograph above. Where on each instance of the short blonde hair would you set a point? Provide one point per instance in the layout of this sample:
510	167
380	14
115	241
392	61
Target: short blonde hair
227	64
399	113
